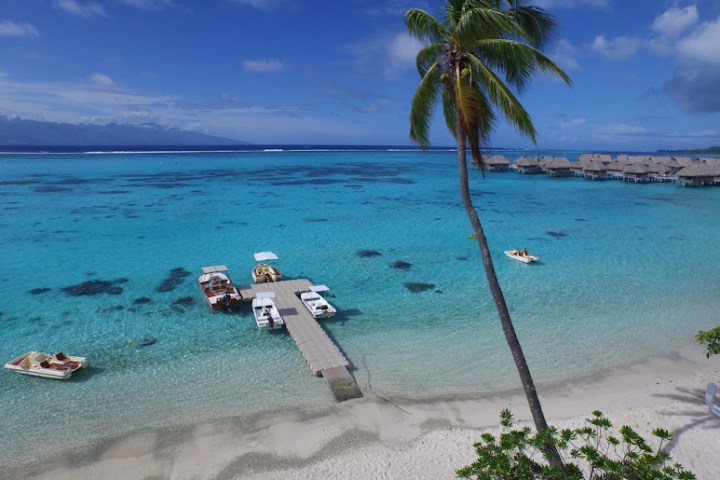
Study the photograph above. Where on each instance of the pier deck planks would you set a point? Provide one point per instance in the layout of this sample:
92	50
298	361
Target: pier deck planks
320	352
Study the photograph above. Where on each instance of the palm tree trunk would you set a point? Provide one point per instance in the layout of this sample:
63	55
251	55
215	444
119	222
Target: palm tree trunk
499	298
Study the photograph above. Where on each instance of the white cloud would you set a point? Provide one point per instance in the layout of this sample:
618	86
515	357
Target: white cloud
675	21
268	65
617	48
621	129
565	55
149	4
704	133
259	4
14	29
101	79
403	49
387	54
82	10
703	44
89	103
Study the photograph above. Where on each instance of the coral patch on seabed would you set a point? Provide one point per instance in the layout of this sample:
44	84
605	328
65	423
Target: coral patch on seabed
38	291
417	287
174	278
400	265
146	341
95	287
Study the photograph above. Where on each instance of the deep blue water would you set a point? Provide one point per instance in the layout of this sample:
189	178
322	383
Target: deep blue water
625	275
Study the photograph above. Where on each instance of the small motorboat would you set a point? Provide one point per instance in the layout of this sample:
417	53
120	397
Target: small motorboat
263	272
217	288
521	255
267	315
38	364
316	303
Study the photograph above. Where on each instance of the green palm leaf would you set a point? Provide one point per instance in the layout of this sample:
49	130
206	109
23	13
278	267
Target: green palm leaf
423	103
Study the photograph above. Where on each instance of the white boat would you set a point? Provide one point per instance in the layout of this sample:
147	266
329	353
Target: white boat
38	364
316	303
264	272
521	255
217	288
267	315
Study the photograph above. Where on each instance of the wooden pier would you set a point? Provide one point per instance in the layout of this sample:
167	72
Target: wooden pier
322	355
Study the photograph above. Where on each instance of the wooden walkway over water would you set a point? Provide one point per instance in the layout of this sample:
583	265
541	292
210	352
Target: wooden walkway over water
322	355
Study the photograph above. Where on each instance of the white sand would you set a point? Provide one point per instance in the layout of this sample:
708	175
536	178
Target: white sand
371	438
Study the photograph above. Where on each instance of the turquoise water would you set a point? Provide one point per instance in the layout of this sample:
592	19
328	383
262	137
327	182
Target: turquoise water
625	275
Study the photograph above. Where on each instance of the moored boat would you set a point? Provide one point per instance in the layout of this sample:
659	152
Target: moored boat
267	315
521	255
264	272
316	303
217	288
58	366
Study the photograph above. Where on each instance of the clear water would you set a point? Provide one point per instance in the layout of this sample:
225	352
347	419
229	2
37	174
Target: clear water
627	273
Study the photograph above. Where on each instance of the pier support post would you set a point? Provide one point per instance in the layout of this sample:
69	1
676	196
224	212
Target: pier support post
341	383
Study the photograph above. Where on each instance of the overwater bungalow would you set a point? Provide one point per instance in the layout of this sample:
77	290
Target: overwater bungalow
497	163
696	175
622	158
558	167
528	165
595	171
615	169
684	161
659	172
636	173
674	166
578	166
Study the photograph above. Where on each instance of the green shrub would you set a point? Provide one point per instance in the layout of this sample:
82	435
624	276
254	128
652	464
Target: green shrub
591	452
711	340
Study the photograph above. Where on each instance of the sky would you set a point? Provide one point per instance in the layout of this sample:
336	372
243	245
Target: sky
646	73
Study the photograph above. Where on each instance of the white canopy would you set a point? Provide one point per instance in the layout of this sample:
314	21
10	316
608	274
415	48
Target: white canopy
265	295
215	268
260	256
319	288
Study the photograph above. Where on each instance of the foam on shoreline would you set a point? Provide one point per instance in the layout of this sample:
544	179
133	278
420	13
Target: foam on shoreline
382	438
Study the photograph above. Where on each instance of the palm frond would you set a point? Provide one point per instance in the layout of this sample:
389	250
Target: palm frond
423	104
517	61
427	56
479	23
537	23
449	110
502	97
424	26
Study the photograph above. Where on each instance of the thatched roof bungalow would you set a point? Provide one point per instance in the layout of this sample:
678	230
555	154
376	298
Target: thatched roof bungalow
497	163
684	161
674	165
578	166
696	175
528	165
659	172
595	170
636	173
558	167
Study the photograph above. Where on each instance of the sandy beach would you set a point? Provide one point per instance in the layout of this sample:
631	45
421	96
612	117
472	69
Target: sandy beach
375	437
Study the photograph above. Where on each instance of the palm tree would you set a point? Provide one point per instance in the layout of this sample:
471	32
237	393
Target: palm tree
470	61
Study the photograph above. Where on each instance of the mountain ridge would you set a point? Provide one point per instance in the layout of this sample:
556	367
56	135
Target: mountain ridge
23	132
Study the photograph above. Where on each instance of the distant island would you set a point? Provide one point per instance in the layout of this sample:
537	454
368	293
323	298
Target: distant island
710	151
17	132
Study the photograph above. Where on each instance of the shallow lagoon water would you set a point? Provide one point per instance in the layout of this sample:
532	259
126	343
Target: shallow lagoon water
624	275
